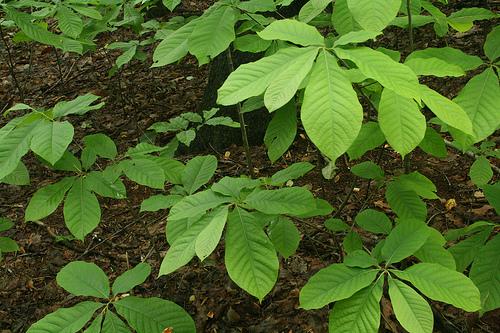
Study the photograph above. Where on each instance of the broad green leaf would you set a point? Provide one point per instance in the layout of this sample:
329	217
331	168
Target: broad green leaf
433	251
213	33
159	202
480	99
68	162
198	172
485	273
455	234
251	43
5	224
209	237
463	20
284	86
8	245
101	144
465	251
342	19
175	46
418	183
126	56
405	202
284	235
95	327
321	208
46	200
292	172
291	200
492	44
480	172
196	204
173	169
404	240
401	121
51	139
145	172
433	143
356	37
331	113
370	137
66	320
380	67
359	313
411	310
336	225
113	324
434	67
293	31
252	79
333	283
87	11
82	212
254	6
153	314
131	278
368	170
312	9
79	106
374	221
69	22
449	55
352	242
374	15
232	186
444	285
281	131
20	176
186	137
106	185
171	4
81	278
359	258
492	193
250	258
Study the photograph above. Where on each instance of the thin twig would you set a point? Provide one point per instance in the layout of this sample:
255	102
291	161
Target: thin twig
470	154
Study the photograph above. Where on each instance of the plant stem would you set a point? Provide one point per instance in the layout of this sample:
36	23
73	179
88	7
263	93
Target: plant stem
58	61
241	119
410	24
11	65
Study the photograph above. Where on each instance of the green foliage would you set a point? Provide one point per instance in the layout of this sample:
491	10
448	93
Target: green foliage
7	244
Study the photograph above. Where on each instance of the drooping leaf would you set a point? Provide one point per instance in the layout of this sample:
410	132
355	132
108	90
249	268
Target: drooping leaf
131	278
434	67
433	143
281	131
284	235
69	22
492	44
466	250
449	55
331	113
370	137
20	176
79	106
492	193
209	237
342	18
171	4
175	46
292	172
480	172
45	201
312	9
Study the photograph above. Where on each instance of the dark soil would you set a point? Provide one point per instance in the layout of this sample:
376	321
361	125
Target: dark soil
139	96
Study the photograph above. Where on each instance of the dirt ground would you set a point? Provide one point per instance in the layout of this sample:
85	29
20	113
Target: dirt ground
139	96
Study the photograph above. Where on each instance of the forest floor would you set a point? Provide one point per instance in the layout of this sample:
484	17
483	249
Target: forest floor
139	96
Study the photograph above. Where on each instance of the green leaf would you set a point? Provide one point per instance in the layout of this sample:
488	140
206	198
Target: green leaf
252	79
434	67
83	279
20	176
45	201
411	310
312	9
342	19
131	278
101	144
87	11
196	204
463	20
370	137
485	273
374	15
78	106
480	172
105	184
356	37
254	6
250	258
454	234
405	202
465	251
444	285
209	237
293	31
175	46
331	113
126	56
95	327
173	169
66	320
8	245
145	172
359	313
281	131
333	283
113	324
69	22
359	258
213	33
171	4
449	55
292	172
380	67
404	240
374	221
153	314
352	242
232	187
492	193
5	224
291	200
284	235
418	183
284	86
336	225
186	137
68	162
433	251
368	170
51	139
251	43
82	212
158	202
433	143
401	121
480	99
492	44
198	172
